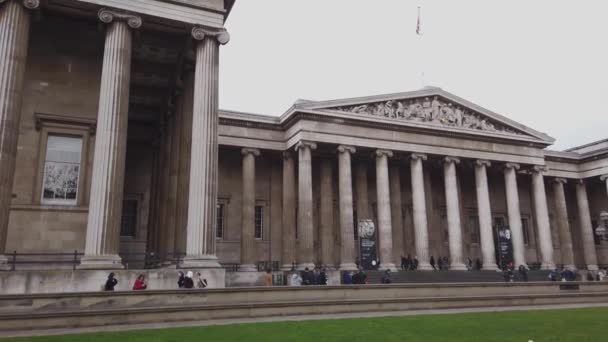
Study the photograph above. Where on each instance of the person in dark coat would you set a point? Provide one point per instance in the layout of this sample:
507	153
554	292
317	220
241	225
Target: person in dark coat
386	279
189	282
415	264
347	278
323	277
523	273
181	280
446	263
307	277
478	264
403	263
432	261
110	283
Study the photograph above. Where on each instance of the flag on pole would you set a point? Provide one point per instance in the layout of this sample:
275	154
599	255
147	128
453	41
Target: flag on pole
418	27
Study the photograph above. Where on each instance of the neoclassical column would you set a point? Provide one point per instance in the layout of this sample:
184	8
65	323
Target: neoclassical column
385	230
202	200
14	38
289	212
517	235
604	178
453	212
485	215
542	218
347	238
248	214
396	213
421	232
585	226
305	225
563	223
105	205
326	212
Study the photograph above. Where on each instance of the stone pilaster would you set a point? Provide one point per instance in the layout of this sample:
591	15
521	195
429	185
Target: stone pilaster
453	211
202	199
396	213
289	212
517	236
542	218
105	205
248	215
485	215
14	38
563	224
326	212
347	238
385	226
305	223
421	232
183	177
585	226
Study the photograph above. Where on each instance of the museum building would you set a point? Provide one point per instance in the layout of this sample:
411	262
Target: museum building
112	145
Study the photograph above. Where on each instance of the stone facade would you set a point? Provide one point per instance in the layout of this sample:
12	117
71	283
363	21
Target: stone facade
113	146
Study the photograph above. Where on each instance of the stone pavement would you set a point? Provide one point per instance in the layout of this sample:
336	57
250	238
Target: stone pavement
114	328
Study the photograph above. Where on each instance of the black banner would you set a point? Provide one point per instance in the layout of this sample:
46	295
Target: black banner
367	244
505	247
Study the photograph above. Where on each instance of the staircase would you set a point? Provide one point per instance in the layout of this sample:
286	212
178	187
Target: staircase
375	277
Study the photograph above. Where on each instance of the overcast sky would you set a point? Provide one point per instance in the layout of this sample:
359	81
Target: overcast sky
541	63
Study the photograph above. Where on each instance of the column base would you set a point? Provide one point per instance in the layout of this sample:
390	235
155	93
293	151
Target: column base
570	267
349	266
4	266
287	267
490	267
387	266
424	266
458	266
592	268
200	261
100	262
547	266
329	267
248	268
304	265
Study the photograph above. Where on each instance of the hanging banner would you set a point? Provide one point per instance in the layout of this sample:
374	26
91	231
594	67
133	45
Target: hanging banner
505	246
367	245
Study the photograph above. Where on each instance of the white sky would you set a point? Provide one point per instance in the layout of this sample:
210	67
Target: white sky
541	63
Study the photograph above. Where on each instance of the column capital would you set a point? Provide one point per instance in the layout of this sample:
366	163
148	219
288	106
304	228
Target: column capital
287	155
580	181
603	178
248	150
387	153
108	15
346	149
29	4
483	162
306	144
560	180
539	168
421	156
513	166
448	160
222	36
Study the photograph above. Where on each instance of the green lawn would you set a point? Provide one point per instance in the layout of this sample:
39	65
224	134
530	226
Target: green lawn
543	325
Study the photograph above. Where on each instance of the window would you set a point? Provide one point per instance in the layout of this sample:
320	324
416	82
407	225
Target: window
219	224
128	224
474	229
61	170
525	229
259	221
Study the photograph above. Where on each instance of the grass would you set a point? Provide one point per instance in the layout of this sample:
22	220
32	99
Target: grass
544	325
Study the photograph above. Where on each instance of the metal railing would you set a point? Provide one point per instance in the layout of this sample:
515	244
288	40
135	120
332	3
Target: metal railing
72	259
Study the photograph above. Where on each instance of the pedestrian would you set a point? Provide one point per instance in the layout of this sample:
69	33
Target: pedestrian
469	264
201	282
110	283
553	275
307	277
446	263
316	277
403	263
323	277
347	277
386	279
415	263
181	280
523	273
189	282
140	283
409	263
440	263
296	280
478	264
432	261
268	278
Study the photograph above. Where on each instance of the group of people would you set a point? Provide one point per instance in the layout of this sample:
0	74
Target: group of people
318	276
442	263
409	263
358	277
184	281
111	282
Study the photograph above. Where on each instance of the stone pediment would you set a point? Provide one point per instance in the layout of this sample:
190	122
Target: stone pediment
432	108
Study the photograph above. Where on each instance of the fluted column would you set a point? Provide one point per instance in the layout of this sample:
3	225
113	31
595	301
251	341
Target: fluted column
326	212
517	235
485	215
385	230
542	218
305	224
563	224
248	213
105	205
421	231
453	211
585	226
347	238
604	179
396	213
202	201
289	212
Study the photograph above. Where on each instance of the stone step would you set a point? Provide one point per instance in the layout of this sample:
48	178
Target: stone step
374	277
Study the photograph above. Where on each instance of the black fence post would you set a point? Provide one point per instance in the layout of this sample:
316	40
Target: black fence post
14	260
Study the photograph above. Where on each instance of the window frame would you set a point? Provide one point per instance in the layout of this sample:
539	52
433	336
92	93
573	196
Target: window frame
60	202
262	221
136	199
223	205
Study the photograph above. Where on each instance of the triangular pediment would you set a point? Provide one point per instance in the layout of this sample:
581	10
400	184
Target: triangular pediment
432	108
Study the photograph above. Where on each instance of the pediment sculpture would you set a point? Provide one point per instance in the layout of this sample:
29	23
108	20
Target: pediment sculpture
435	111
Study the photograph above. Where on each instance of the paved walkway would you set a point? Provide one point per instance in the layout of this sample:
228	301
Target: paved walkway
113	328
